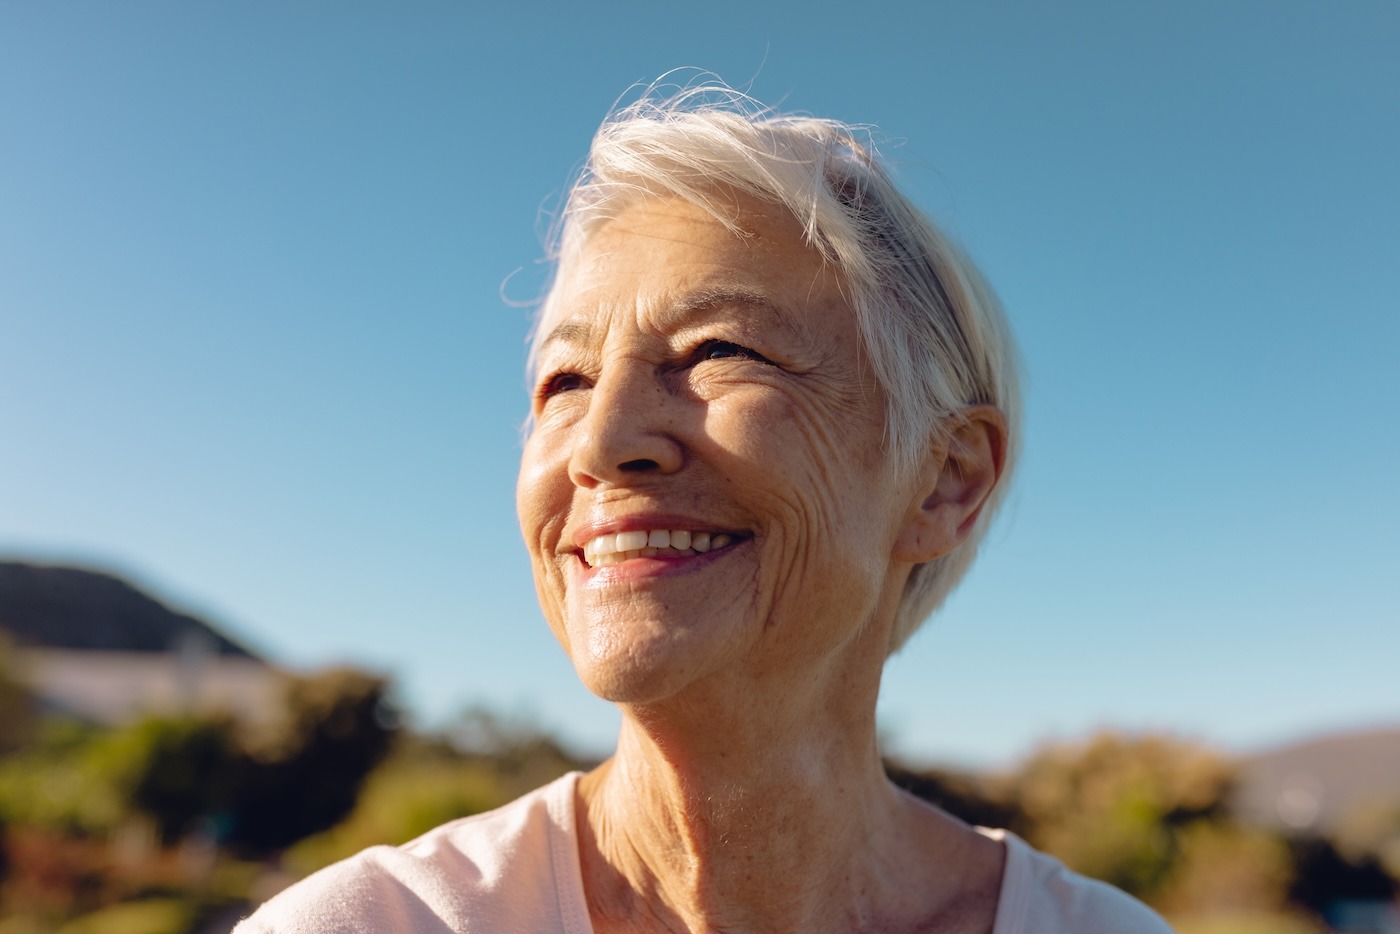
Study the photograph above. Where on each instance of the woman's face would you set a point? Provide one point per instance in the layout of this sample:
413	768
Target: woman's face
704	492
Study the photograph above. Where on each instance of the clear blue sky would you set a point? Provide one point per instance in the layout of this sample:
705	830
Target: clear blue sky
254	351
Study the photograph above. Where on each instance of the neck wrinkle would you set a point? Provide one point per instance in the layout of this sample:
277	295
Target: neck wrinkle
708	821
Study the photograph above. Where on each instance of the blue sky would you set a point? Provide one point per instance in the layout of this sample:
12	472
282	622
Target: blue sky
264	271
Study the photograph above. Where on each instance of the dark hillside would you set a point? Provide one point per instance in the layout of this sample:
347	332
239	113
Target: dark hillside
72	608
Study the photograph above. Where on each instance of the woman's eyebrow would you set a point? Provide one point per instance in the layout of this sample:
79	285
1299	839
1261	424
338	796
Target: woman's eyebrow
572	331
703	302
706	299
681	312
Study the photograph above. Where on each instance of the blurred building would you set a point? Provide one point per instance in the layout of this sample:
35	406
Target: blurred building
91	646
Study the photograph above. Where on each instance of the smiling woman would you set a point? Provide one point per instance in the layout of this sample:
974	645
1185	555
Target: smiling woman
773	410
745	423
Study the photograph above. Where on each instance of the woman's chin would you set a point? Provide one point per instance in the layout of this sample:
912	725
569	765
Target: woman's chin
626	688
636	668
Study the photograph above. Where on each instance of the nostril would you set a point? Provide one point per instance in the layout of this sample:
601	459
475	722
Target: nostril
638	465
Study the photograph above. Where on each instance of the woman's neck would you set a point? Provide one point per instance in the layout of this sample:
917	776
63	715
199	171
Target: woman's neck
769	814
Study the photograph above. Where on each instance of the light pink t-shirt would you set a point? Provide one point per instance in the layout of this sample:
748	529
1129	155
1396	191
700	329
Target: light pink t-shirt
516	869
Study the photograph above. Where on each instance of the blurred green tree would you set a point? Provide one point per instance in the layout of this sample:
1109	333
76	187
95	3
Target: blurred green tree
419	786
53	783
18	719
176	771
1225	870
1112	808
515	748
303	773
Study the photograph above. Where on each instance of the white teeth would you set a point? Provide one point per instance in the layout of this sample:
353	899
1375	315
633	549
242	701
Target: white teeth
630	541
613	549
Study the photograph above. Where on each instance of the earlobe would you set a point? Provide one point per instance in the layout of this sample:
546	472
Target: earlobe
962	470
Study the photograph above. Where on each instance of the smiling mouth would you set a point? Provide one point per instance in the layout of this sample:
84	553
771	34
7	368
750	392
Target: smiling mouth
656	543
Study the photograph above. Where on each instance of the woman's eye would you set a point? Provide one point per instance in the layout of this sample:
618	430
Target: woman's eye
559	382
721	350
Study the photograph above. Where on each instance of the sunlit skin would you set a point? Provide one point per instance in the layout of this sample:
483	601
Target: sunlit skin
694	378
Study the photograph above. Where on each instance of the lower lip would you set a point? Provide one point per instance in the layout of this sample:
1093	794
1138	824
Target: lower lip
635	570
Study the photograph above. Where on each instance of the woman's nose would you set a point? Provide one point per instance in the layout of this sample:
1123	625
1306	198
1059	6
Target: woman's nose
628	431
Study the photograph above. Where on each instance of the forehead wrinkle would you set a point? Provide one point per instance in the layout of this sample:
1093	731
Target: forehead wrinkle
691	309
579	273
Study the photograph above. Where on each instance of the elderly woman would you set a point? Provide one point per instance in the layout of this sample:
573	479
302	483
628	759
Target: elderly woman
773	410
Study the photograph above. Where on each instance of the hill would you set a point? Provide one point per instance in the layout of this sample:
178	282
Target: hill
72	608
1318	783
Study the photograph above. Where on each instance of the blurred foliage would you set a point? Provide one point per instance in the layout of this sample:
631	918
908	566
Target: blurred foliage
173	771
256	791
1112	808
1250	922
18	719
1151	815
1224	870
480	762
1325	876
304	772
517	750
1119	808
417	788
58	782
178	824
147	916
142	827
1371	830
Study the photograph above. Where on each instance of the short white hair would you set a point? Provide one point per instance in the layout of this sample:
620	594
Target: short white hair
932	327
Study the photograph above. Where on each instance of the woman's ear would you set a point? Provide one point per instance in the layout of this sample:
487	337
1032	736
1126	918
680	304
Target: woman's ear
959	476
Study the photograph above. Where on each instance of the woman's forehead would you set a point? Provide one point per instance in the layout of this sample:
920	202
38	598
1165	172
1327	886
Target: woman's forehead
676	257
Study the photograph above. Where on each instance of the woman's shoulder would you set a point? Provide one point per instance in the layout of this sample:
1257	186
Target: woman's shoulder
451	879
1040	895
